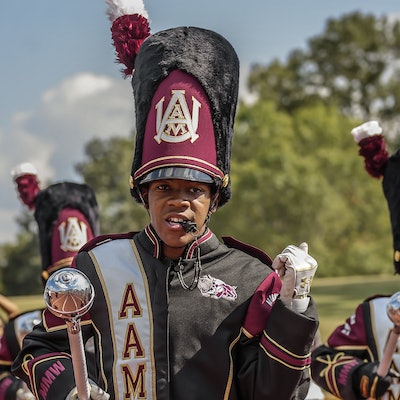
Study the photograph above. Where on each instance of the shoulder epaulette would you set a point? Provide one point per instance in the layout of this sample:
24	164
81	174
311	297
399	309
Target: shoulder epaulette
248	248
98	240
375	296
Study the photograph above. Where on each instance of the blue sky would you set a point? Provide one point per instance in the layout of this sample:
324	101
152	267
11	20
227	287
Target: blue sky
61	87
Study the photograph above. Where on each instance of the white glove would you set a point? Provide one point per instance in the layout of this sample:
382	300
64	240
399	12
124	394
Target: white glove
96	393
297	268
367	129
24	394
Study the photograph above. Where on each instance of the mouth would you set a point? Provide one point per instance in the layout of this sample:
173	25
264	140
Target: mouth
176	221
185	224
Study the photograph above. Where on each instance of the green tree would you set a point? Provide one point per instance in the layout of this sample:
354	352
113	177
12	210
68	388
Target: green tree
295	177
353	64
21	263
298	178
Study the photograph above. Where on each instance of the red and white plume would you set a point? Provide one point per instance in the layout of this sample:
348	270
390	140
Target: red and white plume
130	27
372	147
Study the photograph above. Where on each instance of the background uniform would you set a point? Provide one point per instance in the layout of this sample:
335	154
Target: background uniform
67	217
360	339
346	365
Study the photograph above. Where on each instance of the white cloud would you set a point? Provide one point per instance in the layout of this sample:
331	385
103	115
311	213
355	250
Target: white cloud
78	88
52	135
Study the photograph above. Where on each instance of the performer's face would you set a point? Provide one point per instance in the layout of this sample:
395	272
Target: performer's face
28	188
173	200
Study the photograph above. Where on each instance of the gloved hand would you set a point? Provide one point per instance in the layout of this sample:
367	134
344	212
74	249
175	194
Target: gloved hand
24	393
297	268
96	393
368	383
367	129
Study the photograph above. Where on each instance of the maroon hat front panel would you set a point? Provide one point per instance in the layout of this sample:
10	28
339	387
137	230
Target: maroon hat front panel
179	129
70	232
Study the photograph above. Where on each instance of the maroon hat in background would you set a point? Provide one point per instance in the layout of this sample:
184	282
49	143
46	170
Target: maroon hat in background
185	84
66	214
67	217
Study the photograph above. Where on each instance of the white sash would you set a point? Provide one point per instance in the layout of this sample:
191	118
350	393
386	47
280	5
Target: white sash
127	294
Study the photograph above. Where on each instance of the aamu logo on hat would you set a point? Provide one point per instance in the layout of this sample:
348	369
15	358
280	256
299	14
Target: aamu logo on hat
179	137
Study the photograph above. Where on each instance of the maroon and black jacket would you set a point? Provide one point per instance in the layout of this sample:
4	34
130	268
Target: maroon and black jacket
156	340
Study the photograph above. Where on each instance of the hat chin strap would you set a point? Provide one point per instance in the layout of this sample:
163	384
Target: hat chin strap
189	226
144	203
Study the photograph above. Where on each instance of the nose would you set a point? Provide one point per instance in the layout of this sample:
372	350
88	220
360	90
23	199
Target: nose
180	197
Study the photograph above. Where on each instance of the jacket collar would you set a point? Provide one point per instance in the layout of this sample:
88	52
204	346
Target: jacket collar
153	244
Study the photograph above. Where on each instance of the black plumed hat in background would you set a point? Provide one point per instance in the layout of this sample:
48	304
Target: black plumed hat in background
379	164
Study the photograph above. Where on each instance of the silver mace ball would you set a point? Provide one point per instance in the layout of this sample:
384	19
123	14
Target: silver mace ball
69	294
393	309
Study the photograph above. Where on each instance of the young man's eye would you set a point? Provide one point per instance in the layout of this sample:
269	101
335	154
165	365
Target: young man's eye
162	187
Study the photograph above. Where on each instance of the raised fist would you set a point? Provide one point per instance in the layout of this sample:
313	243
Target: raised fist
297	269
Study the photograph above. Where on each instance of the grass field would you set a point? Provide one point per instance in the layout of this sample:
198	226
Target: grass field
336	298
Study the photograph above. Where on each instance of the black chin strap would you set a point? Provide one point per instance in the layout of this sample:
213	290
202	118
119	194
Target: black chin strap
190	226
197	269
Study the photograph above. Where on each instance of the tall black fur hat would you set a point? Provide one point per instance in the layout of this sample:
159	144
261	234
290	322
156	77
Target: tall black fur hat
379	164
391	189
185	84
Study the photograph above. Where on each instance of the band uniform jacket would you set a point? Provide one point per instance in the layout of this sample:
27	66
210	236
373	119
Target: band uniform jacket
156	340
361	338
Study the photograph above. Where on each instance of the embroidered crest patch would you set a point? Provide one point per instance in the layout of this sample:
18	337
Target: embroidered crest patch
177	125
73	234
216	289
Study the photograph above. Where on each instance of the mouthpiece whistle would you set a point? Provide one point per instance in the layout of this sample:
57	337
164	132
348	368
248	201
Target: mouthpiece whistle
189	226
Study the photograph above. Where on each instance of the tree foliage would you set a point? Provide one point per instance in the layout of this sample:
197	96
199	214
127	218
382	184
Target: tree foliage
20	261
297	177
107	170
353	64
